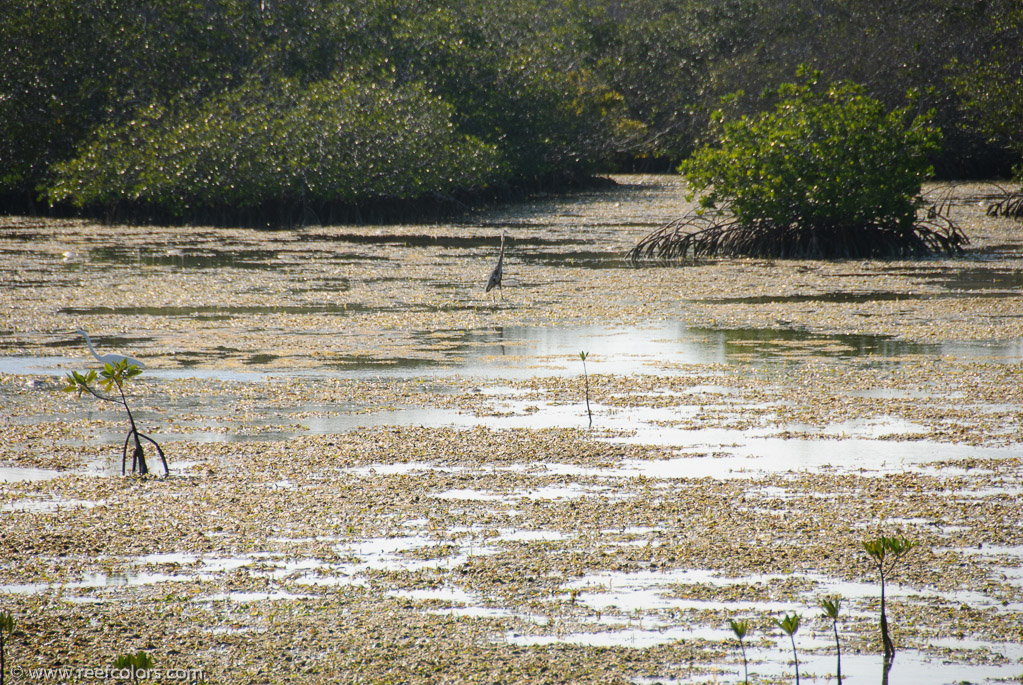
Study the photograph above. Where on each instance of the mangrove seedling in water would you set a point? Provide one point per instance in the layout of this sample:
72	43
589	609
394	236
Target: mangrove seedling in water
740	628
115	376
6	626
885	552
137	663
789	625
583	356
830	607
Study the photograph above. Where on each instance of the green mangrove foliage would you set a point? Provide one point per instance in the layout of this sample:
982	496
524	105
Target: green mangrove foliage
110	377
741	629
523	92
789	624
202	108
70	66
885	553
137	664
891	49
334	141
991	90
827	173
831	606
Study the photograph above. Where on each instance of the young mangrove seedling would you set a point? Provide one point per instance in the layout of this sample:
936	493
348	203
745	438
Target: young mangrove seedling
138	663
830	607
583	356
741	628
6	626
885	552
115	376
789	625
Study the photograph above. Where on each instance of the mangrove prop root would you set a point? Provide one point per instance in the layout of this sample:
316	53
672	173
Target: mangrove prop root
717	232
1011	205
138	455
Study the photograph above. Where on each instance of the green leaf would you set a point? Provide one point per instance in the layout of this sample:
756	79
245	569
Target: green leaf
789	624
830	606
740	628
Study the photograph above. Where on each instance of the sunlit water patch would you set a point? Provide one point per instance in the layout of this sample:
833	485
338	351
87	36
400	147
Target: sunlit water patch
653	591
47	505
911	666
457	602
13	474
360	557
642	609
527	351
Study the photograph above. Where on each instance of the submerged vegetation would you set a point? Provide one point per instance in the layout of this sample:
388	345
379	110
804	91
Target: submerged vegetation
320	532
282	113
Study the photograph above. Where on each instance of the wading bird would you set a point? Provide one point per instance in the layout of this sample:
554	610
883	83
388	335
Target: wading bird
498	272
110	357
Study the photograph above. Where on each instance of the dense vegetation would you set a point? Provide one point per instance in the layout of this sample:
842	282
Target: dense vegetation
991	91
829	172
184	109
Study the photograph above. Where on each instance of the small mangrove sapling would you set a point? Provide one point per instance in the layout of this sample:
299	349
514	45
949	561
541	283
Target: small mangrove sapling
138	663
115	376
789	625
885	552
6	626
741	628
830	606
586	377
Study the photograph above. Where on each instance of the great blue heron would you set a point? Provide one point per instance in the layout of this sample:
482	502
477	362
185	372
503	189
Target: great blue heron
498	272
110	357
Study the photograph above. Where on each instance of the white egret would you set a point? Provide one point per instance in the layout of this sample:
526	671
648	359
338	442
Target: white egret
110	357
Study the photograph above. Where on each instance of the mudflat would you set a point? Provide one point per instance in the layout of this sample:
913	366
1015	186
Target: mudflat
378	473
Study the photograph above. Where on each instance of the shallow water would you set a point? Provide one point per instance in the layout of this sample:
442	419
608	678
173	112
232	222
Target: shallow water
246	310
528	351
910	667
523	352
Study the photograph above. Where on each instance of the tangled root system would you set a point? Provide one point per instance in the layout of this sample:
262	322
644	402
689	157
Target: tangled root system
717	232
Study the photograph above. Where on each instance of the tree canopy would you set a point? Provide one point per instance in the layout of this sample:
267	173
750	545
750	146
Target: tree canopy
187	108
828	172
824	156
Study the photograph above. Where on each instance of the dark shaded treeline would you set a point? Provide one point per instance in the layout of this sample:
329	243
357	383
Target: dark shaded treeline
264	111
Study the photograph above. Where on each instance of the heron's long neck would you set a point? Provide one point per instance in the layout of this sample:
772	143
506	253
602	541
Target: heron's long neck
88	341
